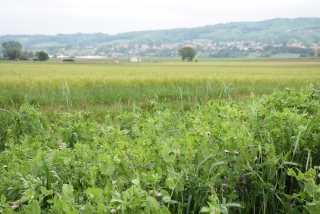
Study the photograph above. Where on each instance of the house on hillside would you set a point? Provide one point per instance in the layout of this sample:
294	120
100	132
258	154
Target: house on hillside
135	59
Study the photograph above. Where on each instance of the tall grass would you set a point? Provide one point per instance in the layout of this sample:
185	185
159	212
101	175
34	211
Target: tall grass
173	82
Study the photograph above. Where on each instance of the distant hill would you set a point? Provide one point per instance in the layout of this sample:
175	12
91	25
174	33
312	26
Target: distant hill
275	31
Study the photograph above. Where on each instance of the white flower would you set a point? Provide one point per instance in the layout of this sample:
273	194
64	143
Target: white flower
319	175
113	210
113	182
235	152
159	194
226	151
14	207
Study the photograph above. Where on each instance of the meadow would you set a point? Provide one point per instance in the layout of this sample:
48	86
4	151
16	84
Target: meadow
163	137
97	86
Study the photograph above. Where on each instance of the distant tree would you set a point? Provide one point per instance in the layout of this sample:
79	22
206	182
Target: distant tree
158	43
68	47
187	53
24	56
30	54
42	56
268	48
143	53
165	52
11	49
314	52
150	43
284	44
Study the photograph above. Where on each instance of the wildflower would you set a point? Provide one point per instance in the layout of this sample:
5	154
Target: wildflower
14	207
159	194
225	180
234	160
82	208
235	152
113	210
319	175
130	167
316	167
208	133
113	182
247	182
226	151
256	158
245	191
242	177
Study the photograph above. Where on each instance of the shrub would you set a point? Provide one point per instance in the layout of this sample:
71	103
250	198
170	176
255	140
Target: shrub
68	60
42	56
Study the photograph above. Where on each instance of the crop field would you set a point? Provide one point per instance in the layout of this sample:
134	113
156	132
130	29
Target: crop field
95	86
163	137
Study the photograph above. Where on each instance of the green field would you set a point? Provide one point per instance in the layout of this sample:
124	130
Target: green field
94	86
163	137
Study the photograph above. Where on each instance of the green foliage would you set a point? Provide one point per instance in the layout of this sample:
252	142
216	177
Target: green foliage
42	56
176	83
269	50
187	53
68	60
230	53
11	49
221	157
274	30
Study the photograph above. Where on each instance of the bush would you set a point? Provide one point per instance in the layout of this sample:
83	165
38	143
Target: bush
23	57
68	60
42	56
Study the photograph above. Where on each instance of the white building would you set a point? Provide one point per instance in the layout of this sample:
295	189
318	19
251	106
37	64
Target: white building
135	59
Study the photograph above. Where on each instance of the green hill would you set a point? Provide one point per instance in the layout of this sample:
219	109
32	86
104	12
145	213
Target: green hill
275	31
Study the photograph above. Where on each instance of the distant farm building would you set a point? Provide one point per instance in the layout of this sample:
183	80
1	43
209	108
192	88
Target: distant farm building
135	59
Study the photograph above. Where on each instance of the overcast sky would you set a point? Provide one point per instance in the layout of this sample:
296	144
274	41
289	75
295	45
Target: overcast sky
92	16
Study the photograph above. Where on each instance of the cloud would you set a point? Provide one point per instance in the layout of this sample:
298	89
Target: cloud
70	16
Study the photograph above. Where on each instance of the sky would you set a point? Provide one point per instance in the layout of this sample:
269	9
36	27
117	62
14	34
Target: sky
92	16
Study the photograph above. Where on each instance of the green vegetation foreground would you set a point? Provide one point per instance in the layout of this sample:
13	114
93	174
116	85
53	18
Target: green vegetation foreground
261	156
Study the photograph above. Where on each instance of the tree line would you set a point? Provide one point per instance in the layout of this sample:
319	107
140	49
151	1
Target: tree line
12	50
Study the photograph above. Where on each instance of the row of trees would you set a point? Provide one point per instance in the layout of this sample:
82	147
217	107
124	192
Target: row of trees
13	51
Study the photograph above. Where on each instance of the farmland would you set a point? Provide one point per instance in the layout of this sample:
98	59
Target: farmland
100	85
163	137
